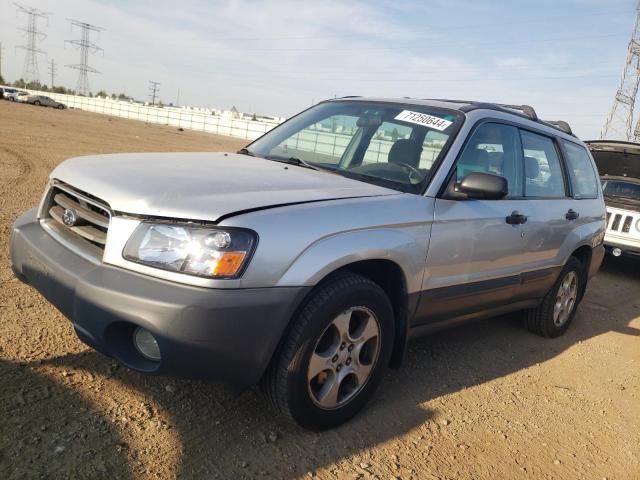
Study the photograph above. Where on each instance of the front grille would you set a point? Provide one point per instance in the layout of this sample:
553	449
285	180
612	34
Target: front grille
87	218
622	223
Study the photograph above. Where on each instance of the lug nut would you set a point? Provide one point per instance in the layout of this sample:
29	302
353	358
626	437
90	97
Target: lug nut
338	368
342	346
350	347
348	362
334	359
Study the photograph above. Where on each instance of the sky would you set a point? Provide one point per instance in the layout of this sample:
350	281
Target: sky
564	57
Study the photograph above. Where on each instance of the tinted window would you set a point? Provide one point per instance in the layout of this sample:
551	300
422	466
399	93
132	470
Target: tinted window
583	178
543	173
493	148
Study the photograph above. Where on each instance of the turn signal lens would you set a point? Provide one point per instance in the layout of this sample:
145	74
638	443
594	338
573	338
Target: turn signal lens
229	264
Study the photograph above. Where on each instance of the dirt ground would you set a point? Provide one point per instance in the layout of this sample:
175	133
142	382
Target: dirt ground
484	401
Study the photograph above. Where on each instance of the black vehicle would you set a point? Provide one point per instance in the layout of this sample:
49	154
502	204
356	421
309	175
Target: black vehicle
619	167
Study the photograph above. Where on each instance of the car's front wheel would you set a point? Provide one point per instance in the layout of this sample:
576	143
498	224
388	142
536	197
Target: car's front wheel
37	103
333	356
554	315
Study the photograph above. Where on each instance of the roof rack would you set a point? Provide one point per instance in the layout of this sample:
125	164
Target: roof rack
561	124
526	109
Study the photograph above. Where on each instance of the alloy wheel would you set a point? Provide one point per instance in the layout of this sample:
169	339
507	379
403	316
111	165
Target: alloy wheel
344	358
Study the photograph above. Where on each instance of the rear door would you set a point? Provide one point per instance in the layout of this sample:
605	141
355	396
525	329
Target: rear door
553	217
475	256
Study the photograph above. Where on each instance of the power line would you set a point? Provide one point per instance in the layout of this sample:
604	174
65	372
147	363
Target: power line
153	87
86	46
52	71
30	72
620	118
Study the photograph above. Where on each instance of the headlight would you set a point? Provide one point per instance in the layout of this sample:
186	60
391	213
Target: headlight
195	250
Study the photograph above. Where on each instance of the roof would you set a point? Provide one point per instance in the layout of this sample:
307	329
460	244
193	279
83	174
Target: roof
523	111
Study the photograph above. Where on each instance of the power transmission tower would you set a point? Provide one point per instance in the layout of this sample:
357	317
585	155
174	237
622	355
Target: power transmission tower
52	71
154	91
30	72
86	46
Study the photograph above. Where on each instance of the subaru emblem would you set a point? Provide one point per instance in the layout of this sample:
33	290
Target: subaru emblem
69	218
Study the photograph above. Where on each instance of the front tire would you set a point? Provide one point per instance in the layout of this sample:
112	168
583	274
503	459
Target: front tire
333	356
554	315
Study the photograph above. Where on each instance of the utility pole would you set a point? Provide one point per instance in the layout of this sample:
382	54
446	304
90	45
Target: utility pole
52	71
0	59
30	72
620	119
153	87
178	99
86	46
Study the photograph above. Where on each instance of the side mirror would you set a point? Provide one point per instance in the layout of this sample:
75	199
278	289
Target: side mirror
483	186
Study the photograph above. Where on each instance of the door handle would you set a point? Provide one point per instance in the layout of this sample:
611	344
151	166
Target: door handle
516	218
571	214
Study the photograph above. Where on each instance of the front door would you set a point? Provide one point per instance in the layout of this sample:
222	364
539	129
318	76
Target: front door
478	247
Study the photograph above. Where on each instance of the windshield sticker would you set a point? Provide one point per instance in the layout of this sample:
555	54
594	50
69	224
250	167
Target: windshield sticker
424	119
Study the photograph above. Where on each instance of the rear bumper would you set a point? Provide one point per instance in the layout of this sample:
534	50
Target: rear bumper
223	334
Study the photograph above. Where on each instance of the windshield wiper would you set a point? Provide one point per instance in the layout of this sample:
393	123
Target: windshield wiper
245	151
298	162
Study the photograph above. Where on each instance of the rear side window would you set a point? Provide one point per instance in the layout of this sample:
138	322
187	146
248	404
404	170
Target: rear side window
543	173
583	178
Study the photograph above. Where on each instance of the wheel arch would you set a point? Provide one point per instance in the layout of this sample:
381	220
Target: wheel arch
389	276
583	254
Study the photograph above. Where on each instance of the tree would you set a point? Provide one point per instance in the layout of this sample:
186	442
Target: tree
102	94
20	83
1	80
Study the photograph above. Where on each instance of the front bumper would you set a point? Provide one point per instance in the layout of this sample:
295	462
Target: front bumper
222	334
627	245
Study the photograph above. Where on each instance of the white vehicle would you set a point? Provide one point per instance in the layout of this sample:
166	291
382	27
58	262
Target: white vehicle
17	96
619	167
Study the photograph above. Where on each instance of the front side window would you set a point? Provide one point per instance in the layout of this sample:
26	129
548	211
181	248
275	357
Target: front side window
493	148
390	144
543	173
583	178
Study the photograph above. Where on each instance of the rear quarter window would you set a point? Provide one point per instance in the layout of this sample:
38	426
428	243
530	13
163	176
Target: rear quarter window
584	182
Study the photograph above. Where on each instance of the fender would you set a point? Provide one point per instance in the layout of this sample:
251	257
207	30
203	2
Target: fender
407	248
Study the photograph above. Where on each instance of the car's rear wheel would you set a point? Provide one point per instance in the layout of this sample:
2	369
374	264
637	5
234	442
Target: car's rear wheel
332	358
60	107
37	103
554	315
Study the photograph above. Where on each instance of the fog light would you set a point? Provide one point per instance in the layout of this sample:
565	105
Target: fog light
146	344
616	252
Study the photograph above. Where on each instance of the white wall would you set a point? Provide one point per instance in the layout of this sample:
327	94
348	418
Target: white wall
177	117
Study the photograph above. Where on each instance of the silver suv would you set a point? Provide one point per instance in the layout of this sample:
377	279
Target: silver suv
306	261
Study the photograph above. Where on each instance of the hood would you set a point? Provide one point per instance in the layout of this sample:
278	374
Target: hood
616	158
202	186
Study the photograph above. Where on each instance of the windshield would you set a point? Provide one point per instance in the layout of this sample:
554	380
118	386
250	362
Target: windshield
389	144
621	189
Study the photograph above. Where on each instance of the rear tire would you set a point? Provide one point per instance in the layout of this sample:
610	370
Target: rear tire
334	354
37	103
554	315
